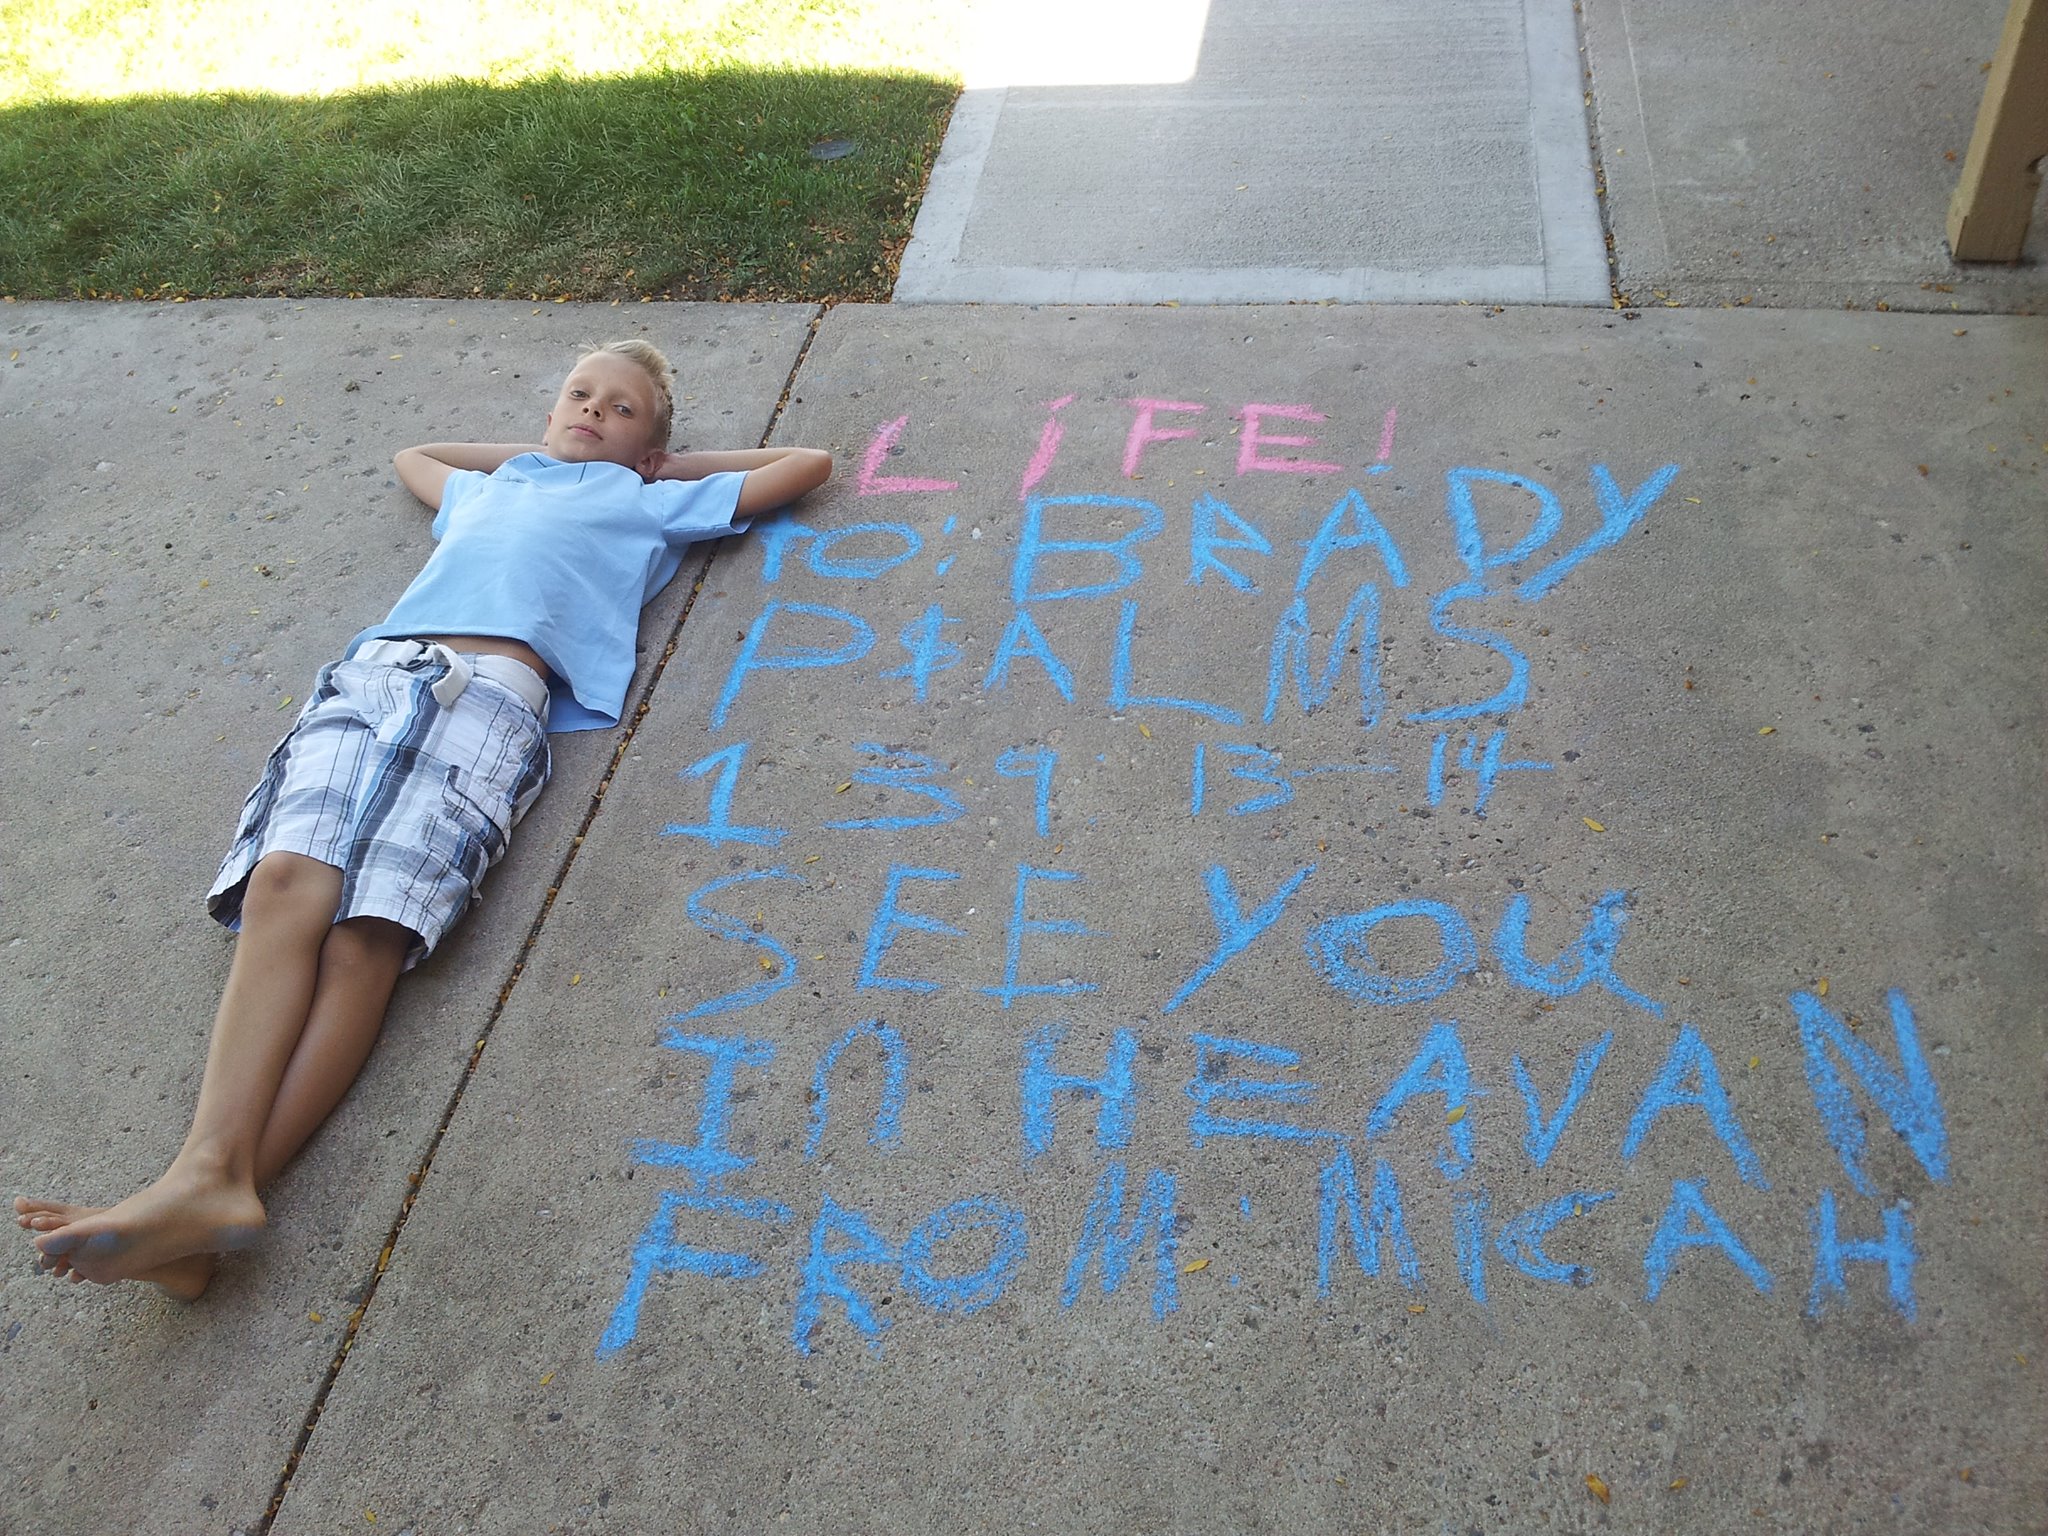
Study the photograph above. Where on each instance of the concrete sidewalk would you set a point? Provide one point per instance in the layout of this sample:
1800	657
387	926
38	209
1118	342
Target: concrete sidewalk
1002	1061
998	1057
1246	151
1375	917
201	511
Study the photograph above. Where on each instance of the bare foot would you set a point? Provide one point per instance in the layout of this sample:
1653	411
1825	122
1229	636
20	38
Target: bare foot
180	1215
183	1278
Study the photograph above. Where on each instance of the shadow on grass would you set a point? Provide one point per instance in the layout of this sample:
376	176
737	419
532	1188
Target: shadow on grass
688	186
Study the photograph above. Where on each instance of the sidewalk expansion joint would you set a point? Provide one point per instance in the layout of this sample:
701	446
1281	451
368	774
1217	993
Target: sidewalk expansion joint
1602	202
418	1178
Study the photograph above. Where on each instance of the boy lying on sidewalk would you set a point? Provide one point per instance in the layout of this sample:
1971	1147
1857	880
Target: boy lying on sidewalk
400	782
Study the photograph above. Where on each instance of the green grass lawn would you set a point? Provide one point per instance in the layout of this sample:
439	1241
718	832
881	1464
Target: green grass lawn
167	148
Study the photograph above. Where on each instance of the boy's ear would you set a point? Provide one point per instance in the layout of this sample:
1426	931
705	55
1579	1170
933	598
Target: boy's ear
649	463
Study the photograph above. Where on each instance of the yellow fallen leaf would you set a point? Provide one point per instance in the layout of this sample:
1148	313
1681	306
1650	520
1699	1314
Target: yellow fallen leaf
1755	1062
812	859
283	702
1592	825
1417	1308
547	1378
1455	1115
1679	1482
767	964
1820	988
1767	730
1191	1268
1144	730
1694	500
842	789
1596	1487
315	1317
576	980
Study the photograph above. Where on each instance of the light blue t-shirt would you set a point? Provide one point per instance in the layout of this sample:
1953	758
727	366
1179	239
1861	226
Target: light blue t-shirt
561	557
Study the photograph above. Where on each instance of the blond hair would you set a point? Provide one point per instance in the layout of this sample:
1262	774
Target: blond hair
649	359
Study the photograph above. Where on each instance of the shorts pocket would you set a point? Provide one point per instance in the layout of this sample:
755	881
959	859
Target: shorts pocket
467	838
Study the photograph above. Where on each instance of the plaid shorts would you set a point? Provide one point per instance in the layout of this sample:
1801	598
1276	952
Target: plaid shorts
411	799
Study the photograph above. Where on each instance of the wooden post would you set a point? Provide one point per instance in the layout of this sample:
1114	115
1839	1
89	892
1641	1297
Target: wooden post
1994	202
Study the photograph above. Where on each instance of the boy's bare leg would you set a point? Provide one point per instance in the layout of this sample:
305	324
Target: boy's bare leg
206	1201
360	961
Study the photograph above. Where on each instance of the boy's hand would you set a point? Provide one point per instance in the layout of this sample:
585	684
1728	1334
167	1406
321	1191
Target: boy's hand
699	463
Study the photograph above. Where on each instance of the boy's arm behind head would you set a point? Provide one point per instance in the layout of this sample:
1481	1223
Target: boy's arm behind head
777	483
775	476
424	470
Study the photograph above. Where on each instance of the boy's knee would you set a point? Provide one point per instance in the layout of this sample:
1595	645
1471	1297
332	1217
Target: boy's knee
292	887
367	943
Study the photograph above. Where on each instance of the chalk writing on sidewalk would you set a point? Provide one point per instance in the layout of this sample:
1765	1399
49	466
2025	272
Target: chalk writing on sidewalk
1311	713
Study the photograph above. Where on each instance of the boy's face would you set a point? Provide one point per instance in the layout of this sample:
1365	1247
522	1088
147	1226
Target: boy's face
606	414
